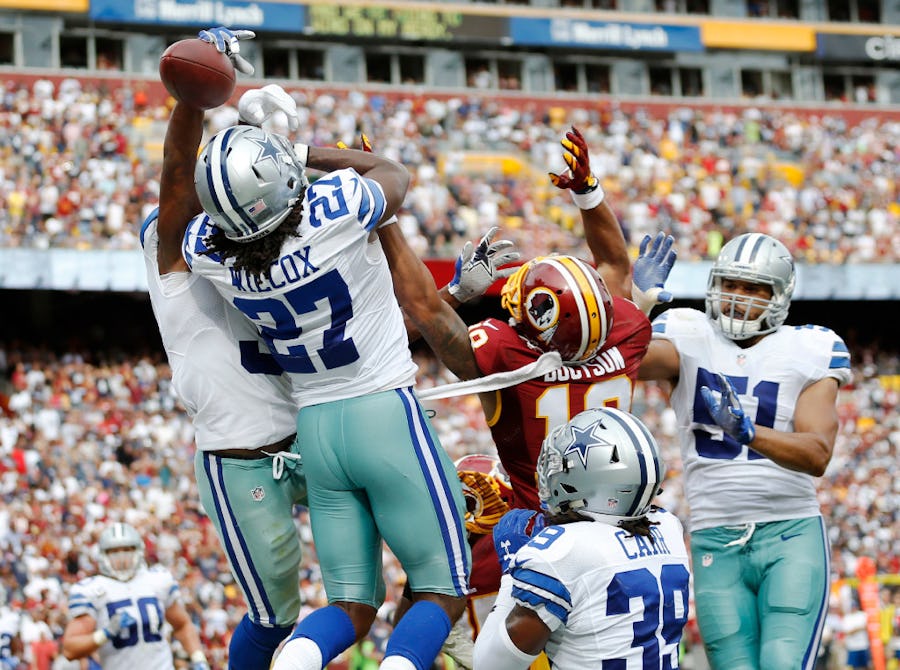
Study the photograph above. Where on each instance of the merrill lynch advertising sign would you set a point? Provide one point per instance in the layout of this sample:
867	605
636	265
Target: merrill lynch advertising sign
864	48
604	35
270	15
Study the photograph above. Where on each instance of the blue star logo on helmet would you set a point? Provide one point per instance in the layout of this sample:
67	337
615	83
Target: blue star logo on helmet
267	149
583	440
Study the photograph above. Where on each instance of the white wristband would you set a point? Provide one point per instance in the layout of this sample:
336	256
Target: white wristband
590	199
198	657
387	222
100	637
301	152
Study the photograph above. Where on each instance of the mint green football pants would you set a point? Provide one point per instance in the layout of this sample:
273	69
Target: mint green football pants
762	605
376	470
253	513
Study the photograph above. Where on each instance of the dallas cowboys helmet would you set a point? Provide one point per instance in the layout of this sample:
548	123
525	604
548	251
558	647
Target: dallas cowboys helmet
758	259
115	559
248	180
604	463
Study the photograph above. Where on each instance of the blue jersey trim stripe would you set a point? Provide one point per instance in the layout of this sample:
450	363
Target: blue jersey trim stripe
377	206
543	582
659	323
839	362
235	545
842	360
534	601
186	250
365	202
442	498
151	217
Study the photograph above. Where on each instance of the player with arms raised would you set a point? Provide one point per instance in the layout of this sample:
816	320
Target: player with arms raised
120	613
755	402
560	303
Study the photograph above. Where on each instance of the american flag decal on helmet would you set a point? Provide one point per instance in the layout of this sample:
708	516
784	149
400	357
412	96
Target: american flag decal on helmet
257	207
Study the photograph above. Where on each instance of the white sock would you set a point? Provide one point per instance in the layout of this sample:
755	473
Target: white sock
396	663
299	654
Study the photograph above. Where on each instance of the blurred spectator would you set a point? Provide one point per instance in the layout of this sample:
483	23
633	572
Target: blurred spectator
81	161
61	482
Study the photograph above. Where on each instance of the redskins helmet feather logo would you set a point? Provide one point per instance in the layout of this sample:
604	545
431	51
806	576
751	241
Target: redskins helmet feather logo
542	309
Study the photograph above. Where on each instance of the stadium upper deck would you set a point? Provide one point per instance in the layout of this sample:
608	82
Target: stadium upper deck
515	74
810	51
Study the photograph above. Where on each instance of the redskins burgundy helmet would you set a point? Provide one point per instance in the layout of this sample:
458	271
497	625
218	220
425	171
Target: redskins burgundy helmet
560	303
486	489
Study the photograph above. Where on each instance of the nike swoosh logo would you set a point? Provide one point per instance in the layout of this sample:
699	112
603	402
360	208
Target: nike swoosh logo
785	538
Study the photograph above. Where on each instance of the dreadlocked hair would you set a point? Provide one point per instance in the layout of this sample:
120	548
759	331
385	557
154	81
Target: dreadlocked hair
633	527
639	527
256	257
568	516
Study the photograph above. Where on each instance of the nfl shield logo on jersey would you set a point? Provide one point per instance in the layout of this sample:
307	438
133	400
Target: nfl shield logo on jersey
707	560
258	493
741	359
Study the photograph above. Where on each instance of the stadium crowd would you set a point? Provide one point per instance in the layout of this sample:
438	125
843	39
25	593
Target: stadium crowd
81	164
90	438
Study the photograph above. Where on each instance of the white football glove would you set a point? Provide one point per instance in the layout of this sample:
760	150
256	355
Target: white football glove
259	104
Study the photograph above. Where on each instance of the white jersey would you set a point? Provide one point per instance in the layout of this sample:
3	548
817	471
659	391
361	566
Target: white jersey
728	483
327	310
605	595
236	396
10	625
146	597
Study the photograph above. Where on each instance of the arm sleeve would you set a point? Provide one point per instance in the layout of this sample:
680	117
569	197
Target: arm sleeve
493	647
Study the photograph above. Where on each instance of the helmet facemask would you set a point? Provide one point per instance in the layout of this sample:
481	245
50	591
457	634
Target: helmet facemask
121	552
756	259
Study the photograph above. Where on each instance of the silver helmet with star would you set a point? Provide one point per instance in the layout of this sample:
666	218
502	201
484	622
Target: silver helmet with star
604	463
248	181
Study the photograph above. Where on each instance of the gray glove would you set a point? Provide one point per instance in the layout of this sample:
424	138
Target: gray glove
479	267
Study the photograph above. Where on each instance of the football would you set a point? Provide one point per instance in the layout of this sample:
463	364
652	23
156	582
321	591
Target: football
195	73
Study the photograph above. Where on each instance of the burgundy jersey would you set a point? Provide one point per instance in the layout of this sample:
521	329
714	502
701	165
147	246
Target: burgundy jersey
528	411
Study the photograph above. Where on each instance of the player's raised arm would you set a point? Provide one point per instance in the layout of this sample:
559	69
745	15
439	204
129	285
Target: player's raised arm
437	322
178	202
601	227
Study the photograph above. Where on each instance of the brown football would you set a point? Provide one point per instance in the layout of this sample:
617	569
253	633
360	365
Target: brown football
195	73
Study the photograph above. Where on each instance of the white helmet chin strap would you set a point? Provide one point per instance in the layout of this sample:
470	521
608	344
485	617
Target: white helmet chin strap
739	329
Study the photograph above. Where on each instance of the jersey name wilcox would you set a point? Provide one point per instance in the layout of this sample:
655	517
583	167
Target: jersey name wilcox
291	268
